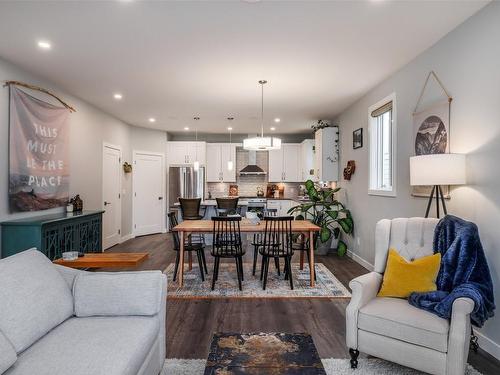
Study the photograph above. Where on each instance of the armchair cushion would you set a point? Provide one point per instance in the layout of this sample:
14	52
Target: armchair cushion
8	355
118	293
401	277
396	318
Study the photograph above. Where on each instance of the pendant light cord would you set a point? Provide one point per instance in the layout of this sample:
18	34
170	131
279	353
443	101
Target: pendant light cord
262	109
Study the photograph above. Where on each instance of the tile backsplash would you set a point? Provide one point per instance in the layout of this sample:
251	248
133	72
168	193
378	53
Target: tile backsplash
247	185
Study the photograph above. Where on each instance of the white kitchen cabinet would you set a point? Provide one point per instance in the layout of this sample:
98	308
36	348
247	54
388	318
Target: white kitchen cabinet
218	155
281	205
307	160
186	152
284	164
327	154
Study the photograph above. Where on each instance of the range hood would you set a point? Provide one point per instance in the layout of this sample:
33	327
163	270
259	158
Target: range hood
252	168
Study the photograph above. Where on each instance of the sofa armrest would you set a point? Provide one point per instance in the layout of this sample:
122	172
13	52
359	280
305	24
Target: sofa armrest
8	355
119	293
364	289
68	274
459	336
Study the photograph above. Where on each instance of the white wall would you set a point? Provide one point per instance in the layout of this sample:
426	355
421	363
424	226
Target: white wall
89	128
467	61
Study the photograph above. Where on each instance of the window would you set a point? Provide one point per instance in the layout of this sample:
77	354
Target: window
382	129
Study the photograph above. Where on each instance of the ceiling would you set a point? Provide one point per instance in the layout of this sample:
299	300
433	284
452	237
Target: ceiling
176	60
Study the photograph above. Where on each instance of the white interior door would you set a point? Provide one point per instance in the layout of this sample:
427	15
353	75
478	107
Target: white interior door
149	193
111	193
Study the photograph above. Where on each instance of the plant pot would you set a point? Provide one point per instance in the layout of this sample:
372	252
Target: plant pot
323	247
334	245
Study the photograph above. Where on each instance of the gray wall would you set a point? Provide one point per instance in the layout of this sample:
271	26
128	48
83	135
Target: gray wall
90	127
467	61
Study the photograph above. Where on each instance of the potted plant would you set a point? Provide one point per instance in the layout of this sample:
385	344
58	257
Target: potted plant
328	213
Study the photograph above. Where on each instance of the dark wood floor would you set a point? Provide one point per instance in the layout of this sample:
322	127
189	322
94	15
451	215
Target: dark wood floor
191	323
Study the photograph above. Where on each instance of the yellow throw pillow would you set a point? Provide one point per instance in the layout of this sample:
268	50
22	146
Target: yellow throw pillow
401	278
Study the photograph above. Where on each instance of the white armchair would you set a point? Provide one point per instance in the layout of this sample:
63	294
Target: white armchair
392	329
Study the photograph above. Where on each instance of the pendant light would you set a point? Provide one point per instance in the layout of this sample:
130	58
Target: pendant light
262	143
196	164
230	163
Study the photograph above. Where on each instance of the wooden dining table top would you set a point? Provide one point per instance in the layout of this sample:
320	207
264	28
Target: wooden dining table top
206	226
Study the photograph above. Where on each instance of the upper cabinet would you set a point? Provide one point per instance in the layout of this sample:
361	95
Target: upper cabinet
327	154
218	156
285	164
186	152
307	160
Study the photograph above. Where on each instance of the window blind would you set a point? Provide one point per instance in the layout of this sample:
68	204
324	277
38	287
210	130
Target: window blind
383	109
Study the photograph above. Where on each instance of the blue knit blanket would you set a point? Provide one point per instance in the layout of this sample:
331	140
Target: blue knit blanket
464	272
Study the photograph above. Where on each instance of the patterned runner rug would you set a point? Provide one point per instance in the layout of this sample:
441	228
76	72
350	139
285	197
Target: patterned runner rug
327	285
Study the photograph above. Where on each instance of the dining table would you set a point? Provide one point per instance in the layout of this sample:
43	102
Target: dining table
188	227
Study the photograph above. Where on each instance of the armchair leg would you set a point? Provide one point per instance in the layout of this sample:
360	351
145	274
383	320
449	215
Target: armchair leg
354	357
474	343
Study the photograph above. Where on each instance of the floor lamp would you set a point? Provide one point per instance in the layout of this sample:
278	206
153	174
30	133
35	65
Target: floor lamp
437	170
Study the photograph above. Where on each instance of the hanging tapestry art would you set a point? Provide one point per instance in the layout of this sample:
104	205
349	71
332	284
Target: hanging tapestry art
38	153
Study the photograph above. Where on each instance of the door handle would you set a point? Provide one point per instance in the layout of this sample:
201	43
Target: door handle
106	203
160	198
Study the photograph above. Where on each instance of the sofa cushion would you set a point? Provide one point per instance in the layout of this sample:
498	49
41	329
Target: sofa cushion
118	293
34	298
95	345
396	318
8	355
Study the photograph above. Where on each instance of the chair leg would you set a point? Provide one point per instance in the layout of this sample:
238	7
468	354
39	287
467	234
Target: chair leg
285	269
200	264
263	263
177	256
215	273
238	271
241	268
204	260
289	268
266	269
277	264
354	357
302	260
255	254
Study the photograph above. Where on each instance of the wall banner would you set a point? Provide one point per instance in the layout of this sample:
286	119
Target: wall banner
38	153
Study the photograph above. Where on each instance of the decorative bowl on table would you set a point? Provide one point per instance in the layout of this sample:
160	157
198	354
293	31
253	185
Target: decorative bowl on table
252	217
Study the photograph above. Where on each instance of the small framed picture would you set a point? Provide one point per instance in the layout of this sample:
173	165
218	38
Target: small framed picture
357	138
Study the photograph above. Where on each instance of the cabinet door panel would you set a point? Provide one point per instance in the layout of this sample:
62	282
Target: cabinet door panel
228	152
213	164
276	165
291	162
176	153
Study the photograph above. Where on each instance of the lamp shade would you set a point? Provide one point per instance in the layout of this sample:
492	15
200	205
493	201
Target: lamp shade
437	169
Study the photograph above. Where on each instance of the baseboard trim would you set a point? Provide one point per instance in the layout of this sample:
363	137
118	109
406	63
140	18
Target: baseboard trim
360	260
127	237
488	345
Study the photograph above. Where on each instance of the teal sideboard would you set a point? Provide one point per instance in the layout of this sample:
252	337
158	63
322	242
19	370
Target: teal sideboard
54	234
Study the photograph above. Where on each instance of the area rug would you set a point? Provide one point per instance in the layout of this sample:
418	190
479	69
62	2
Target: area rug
333	366
327	285
263	353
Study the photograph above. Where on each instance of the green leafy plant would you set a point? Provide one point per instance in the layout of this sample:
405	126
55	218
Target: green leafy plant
327	212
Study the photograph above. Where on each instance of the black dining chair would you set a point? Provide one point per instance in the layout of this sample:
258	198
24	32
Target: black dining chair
257	241
227	244
277	243
302	244
189	246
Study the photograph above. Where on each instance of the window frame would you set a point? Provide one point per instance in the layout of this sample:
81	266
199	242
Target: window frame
373	155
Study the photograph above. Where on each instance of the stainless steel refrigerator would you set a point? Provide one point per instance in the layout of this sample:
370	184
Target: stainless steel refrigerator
185	182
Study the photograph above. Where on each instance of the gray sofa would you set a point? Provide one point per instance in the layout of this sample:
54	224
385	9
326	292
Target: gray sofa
60	321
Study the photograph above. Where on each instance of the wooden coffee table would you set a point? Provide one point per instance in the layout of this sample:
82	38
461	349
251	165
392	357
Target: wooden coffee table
105	260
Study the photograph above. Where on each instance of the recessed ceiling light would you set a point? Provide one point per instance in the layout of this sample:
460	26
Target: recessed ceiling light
43	44
229	128
186	128
277	119
118	96
273	128
152	119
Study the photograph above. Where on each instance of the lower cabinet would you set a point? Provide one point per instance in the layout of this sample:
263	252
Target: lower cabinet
54	234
